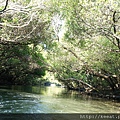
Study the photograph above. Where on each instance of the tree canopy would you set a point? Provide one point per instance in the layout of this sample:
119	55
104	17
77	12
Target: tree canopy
80	41
90	48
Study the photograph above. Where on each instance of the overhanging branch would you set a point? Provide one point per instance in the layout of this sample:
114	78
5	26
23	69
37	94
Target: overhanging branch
4	7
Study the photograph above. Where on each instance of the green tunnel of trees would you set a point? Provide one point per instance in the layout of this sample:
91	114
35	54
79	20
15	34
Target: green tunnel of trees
77	41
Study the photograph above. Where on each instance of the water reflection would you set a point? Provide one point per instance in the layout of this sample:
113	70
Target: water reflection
33	99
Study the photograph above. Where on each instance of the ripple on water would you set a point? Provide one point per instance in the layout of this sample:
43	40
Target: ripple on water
21	102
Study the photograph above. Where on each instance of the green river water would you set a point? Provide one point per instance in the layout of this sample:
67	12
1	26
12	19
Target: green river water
36	99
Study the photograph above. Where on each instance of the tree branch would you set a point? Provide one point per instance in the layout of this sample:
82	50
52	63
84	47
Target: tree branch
4	7
114	27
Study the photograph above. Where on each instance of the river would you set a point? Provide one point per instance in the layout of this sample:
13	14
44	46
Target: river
37	99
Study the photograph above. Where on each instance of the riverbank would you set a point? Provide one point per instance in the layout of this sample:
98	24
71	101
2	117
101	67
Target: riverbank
105	94
108	94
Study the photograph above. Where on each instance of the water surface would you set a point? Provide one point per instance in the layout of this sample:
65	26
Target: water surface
36	99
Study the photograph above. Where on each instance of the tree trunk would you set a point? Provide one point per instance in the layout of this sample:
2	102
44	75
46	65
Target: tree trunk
112	80
82	82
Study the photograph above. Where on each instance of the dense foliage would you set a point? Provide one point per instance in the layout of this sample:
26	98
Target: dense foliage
21	35
89	50
20	64
81	40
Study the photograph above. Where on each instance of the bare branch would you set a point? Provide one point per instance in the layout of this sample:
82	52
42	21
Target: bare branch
18	26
